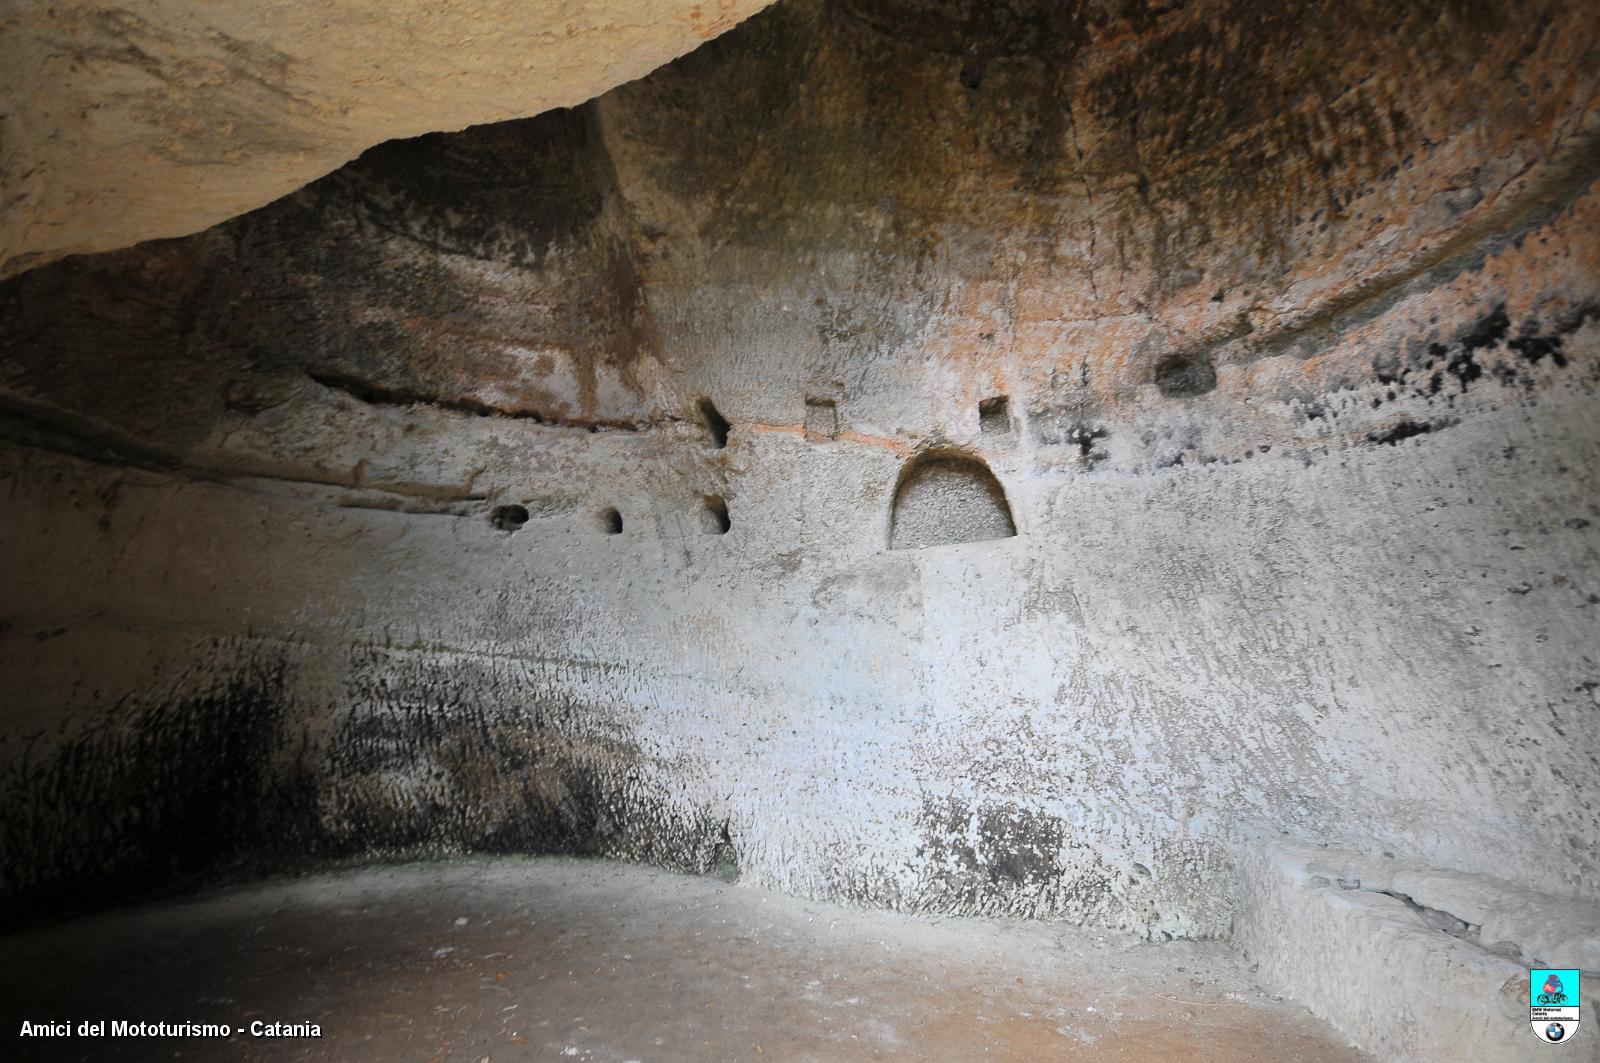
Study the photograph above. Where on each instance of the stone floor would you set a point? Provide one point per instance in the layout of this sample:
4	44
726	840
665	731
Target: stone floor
533	959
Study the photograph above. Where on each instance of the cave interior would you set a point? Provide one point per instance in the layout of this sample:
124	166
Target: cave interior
822	530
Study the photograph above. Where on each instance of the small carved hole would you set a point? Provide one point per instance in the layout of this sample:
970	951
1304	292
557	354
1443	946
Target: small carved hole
822	420
1185	378
994	415
714	519
716	424
509	518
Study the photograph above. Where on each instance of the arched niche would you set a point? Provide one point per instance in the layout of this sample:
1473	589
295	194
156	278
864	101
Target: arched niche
945	497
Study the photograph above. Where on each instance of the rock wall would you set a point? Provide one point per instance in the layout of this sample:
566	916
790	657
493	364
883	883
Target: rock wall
154	118
1453	952
532	487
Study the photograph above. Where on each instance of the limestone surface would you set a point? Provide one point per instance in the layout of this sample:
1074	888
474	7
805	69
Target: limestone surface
602	963
140	119
530	488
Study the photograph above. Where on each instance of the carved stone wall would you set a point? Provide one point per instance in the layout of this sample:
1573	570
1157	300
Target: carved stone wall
376	520
154	118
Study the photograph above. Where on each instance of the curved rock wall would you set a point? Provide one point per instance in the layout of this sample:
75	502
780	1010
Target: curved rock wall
1279	325
156	118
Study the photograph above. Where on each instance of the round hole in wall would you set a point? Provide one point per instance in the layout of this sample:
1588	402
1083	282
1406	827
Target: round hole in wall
509	518
611	522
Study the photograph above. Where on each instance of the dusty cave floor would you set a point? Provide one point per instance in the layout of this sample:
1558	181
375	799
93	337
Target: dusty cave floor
532	959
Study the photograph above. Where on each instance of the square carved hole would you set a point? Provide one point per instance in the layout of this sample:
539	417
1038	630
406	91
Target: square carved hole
994	415
822	420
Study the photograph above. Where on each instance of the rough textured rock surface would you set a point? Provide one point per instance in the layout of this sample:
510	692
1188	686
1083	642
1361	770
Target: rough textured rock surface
1295	308
553	959
947	497
1382	949
153	118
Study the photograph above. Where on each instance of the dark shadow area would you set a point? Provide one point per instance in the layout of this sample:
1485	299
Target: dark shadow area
716	425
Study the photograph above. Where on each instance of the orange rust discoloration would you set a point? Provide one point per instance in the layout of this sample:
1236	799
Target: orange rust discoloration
786	429
894	446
